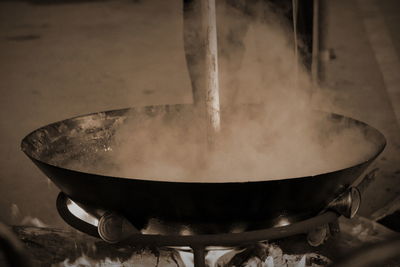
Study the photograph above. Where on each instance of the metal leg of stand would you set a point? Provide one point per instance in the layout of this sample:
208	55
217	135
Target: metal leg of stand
199	256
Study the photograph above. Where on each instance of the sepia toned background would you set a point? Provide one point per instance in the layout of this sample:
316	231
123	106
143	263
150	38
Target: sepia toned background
60	59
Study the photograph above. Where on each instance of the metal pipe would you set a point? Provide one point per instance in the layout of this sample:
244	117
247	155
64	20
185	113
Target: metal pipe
199	256
233	239
315	44
212	81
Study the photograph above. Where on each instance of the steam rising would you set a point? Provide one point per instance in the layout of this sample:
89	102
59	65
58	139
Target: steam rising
255	144
269	128
277	136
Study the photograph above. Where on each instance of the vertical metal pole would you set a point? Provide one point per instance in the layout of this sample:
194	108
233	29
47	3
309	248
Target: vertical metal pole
212	84
199	256
296	49
315	44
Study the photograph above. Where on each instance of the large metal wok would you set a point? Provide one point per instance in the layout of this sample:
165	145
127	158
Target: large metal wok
207	207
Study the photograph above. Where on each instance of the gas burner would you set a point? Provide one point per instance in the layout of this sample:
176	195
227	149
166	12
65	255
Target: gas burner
114	228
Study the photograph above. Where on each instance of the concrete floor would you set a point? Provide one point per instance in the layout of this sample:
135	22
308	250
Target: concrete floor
66	59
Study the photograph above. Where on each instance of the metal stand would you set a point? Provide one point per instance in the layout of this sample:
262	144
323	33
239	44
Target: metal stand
199	256
198	243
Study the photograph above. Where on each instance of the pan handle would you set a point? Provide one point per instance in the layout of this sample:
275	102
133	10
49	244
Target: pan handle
114	228
348	203
109	226
72	219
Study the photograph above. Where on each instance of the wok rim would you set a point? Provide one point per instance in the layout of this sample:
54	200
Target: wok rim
24	141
